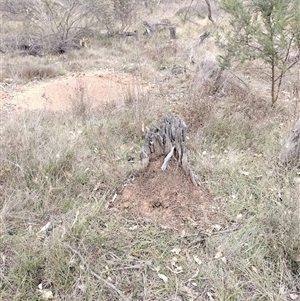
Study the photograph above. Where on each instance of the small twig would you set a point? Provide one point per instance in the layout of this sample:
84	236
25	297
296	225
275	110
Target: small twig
16	165
75	252
176	291
144	282
110	285
95	274
167	159
188	9
3	88
222	232
128	268
209	11
238	78
75	220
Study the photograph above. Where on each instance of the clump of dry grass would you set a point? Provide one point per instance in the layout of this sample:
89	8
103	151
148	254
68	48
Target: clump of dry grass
28	69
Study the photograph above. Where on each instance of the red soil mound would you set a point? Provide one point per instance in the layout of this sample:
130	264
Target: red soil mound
169	198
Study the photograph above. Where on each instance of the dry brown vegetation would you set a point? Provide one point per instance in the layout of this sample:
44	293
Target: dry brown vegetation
66	231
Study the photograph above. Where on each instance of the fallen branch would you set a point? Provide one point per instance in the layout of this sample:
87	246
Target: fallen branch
209	11
110	285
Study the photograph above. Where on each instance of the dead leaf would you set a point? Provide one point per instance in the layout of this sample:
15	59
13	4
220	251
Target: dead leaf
238	217
174	260
218	255
294	296
176	250
210	296
133	228
281	290
82	287
297	257
48	226
254	269
244	173
197	259
163	277
217	227
46	293
192	222
224	259
196	274
114	197
176	269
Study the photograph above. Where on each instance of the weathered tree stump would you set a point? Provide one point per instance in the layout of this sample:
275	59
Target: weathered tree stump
167	140
290	154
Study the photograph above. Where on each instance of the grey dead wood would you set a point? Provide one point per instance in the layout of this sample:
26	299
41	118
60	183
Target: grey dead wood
172	32
134	34
209	11
168	140
158	26
290	153
149	30
202	37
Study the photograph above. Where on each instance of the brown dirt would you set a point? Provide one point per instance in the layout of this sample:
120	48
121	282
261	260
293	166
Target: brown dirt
60	93
170	199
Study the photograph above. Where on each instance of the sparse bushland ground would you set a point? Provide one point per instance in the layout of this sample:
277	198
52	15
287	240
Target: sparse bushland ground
60	170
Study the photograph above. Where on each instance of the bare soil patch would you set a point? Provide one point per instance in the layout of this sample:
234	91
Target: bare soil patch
170	199
59	94
93	87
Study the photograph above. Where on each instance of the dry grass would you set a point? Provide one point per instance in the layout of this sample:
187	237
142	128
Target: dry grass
62	169
25	69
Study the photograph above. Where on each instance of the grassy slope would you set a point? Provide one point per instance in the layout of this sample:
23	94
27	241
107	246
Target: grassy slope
63	168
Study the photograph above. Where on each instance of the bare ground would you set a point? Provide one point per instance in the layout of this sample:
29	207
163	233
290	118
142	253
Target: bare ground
59	94
170	199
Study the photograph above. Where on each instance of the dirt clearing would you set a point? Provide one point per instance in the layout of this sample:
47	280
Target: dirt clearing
59	94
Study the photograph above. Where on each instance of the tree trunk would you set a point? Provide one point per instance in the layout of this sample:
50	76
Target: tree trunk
167	140
291	151
273	83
